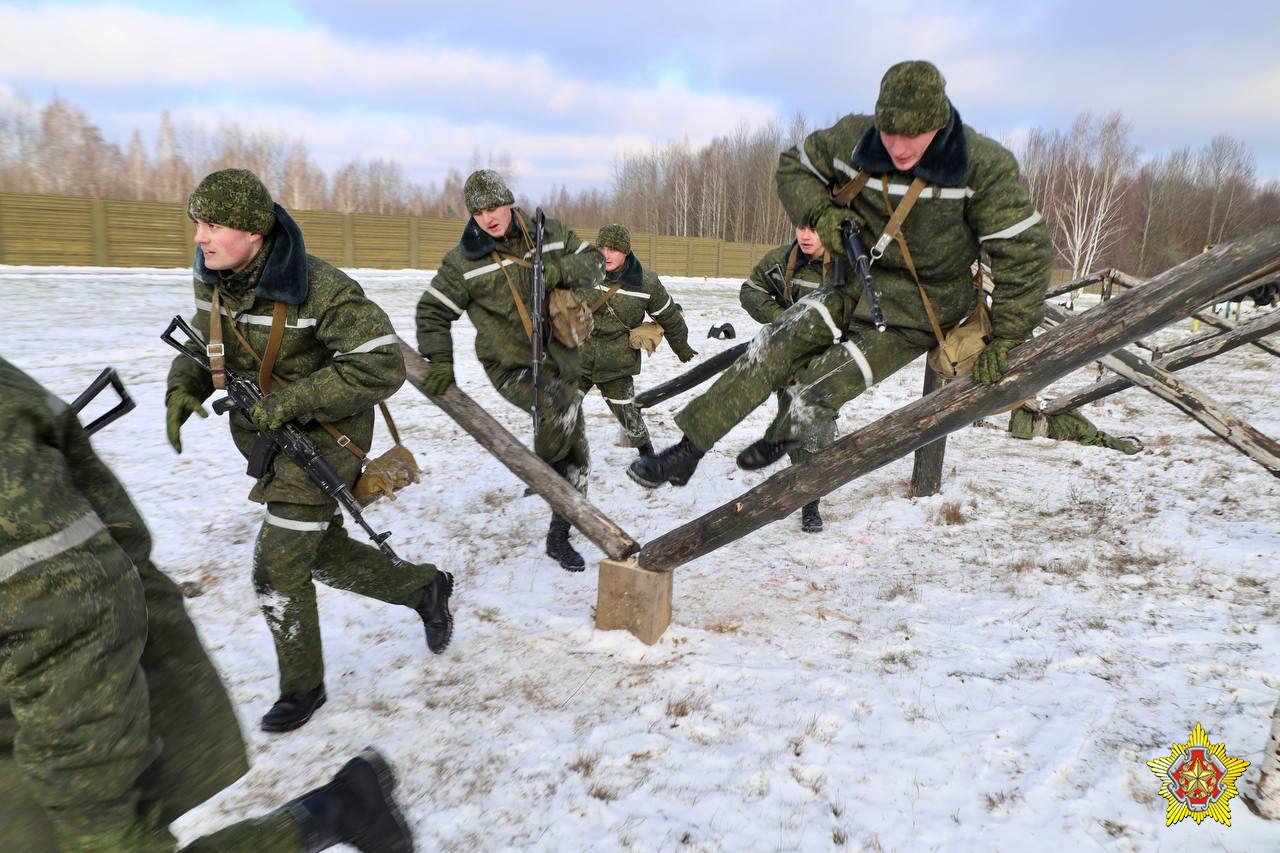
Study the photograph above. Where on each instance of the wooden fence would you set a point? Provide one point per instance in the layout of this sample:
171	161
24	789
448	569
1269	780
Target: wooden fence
42	230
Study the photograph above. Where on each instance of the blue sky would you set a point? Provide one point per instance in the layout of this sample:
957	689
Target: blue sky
565	87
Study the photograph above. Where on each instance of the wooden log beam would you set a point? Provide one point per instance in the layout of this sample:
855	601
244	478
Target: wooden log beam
1034	364
508	450
1182	395
926	470
1202	314
1203	350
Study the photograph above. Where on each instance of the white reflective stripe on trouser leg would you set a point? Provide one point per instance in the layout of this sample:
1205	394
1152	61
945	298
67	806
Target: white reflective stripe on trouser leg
619	402
301	526
863	364
826	316
78	532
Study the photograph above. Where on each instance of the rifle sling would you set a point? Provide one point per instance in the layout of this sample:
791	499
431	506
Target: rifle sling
515	294
605	299
277	322
214	348
893	231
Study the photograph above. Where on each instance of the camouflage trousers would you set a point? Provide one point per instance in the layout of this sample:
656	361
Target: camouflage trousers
113	721
816	356
301	542
561	440
619	395
822	435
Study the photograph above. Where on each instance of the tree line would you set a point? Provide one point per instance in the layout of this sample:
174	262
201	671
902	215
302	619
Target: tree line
1105	205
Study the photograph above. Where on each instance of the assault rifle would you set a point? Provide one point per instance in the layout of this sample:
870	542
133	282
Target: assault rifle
296	445
539	299
777	280
857	254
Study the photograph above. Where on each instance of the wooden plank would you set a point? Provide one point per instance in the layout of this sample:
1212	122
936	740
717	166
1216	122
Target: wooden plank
508	450
1203	350
1187	398
926	472
1032	365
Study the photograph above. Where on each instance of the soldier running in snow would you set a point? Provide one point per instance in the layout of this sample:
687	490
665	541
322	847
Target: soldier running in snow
338	357
488	276
784	276
611	357
825	350
113	720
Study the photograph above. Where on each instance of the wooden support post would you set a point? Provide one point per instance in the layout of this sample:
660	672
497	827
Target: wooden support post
1235	432
495	438
1175	293
633	599
1203	350
926	475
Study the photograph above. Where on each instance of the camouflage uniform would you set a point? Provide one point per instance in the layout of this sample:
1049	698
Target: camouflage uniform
472	281
783	276
340	358
113	721
608	359
824	351
1026	422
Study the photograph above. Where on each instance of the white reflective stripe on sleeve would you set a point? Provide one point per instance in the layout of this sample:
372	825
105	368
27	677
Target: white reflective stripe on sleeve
446	301
547	247
809	302
845	167
622	292
664	307
302	526
954	192
943	192
863	364
78	532
368	346
754	286
809	284
808	164
1013	230
204	305
582	247
486	269
619	402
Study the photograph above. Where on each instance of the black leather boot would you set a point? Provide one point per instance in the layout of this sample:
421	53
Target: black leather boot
675	465
645	449
810	518
293	710
558	547
358	808
434	610
761	453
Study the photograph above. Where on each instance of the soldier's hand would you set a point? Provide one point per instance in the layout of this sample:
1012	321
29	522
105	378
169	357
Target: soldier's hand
551	272
179	405
686	353
828	228
270	413
993	362
439	378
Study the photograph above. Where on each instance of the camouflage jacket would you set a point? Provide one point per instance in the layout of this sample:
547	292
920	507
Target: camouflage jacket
470	281
973	202
340	354
77	584
764	293
639	293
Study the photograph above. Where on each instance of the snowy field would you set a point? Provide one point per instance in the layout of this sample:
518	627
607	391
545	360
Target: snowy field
988	669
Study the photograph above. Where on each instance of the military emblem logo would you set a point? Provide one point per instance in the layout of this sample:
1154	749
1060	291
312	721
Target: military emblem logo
1198	779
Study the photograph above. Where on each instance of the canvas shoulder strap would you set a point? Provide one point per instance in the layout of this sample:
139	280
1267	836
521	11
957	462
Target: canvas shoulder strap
515	294
893	231
604	300
274	340
846	193
214	348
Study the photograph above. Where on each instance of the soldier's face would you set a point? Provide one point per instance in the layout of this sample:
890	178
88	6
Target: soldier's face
810	242
494	220
613	259
906	151
226	248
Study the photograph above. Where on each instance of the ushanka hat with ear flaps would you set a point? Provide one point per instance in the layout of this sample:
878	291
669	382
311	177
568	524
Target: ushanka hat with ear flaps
615	237
485	189
234	198
913	99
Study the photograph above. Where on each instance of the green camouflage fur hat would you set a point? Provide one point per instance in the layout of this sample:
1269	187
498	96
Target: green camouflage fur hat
485	189
615	237
234	198
913	99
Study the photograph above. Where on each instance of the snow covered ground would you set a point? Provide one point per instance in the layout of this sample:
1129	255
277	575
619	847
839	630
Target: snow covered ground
987	669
